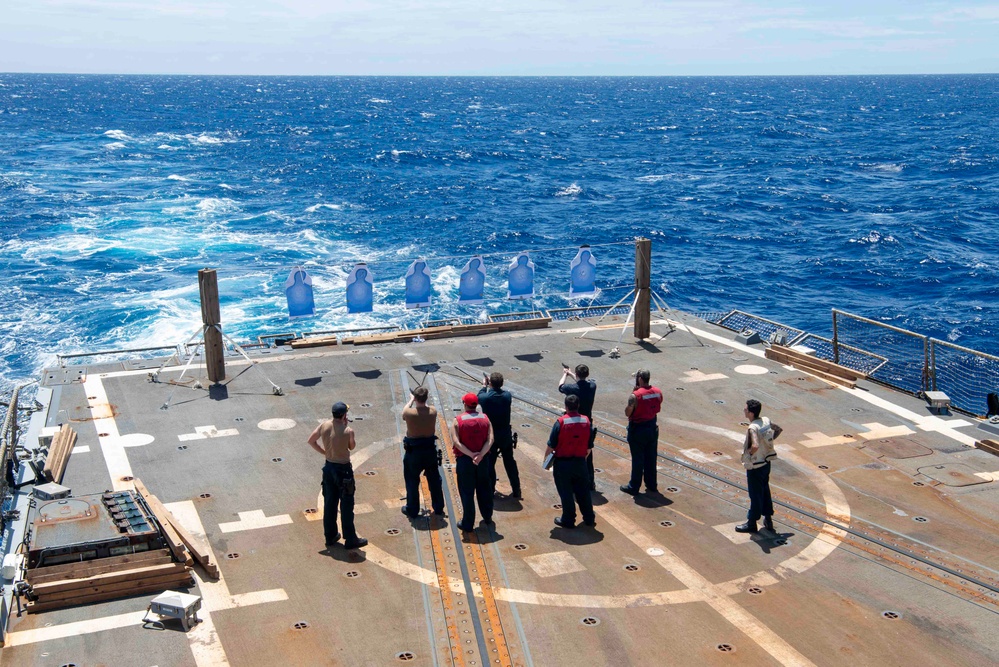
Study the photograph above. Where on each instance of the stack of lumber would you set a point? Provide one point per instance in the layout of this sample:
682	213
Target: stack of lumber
69	584
827	370
430	333
178	538
59	451
990	446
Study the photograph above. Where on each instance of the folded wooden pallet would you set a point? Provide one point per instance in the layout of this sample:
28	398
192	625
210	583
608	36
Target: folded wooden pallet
827	370
108	586
198	548
59	451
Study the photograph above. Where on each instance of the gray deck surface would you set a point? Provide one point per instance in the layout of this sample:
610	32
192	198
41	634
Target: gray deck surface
661	580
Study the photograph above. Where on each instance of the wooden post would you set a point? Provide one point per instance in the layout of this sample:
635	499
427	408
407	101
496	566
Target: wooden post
643	274
211	316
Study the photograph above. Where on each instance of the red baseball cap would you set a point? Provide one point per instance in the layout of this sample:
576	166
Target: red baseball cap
470	400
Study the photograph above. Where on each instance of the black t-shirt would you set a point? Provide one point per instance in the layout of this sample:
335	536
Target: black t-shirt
586	390
496	405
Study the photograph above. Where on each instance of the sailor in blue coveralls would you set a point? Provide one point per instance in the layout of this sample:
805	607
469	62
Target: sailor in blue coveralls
571	440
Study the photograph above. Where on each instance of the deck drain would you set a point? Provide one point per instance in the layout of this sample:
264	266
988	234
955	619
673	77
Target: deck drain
378	356
718	453
823	467
590	620
557	506
301	625
891	615
312	510
520	547
680	389
484	345
719	402
918	484
514	368
392	531
545	351
239	419
352	574
365	405
781	542
324	372
693	368
725	648
672	489
743	423
920	519
755	590
359	418
102	435
127	478
802	379
525	426
856	410
277	459
444	362
666	524
371	473
405	656
182	447
774	373
598	470
232	556
848	435
205	496
631	567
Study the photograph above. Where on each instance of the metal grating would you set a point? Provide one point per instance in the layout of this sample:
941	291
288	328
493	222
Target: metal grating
516	317
851	357
966	376
447	322
559	314
740	321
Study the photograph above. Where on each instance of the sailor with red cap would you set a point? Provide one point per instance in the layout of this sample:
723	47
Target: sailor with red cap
473	436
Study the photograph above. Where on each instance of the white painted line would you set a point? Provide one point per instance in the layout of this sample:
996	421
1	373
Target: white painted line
554	564
107	429
922	421
22	637
254	520
988	476
699	376
83	449
820	439
728	532
695	454
878	431
393	503
205	432
752	627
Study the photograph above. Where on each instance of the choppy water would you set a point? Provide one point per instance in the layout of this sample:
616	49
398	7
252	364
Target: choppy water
781	196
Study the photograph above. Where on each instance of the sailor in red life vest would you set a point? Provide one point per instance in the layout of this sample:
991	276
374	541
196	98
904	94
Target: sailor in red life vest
643	433
571	440
473	436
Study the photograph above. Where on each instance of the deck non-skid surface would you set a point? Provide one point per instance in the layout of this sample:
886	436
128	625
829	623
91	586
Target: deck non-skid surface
660	580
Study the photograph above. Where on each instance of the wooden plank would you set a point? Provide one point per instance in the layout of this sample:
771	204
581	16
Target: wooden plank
40	575
125	574
58	452
67	449
175	544
990	446
197	548
820	364
155	587
803	364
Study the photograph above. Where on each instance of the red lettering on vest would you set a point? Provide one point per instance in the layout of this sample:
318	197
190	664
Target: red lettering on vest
648	402
473	429
573	435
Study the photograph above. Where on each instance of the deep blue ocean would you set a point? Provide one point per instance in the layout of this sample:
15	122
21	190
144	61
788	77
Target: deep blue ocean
785	197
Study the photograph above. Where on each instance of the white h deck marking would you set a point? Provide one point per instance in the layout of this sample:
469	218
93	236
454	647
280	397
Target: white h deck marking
253	520
205	432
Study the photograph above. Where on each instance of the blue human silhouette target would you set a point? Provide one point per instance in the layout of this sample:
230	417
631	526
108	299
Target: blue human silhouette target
583	274
472	281
418	285
521	277
360	289
298	290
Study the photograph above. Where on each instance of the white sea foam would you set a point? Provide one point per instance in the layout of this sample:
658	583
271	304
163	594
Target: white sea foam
570	191
117	134
115	145
175	177
887	167
654	178
427	114
215	205
375	100
331	207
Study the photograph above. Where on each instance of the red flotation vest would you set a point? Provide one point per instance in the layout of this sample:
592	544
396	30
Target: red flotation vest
648	402
573	435
473	429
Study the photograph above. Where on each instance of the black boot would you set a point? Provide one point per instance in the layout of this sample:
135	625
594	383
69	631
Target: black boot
748	527
768	523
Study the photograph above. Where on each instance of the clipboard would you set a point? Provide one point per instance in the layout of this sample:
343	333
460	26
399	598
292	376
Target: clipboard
549	461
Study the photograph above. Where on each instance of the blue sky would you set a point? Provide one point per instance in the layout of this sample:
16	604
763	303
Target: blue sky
500	37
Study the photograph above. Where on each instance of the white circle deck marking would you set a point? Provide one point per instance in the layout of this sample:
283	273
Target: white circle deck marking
751	369
278	424
655	551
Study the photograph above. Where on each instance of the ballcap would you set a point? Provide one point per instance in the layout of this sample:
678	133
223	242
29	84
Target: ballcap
470	400
340	409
